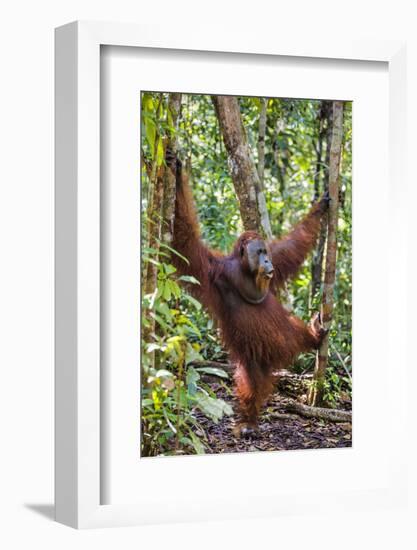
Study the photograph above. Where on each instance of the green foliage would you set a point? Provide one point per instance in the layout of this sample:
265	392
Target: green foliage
173	389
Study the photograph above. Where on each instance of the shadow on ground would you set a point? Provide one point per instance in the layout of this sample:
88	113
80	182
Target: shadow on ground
45	510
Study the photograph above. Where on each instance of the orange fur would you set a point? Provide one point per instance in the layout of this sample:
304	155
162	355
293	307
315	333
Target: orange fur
262	337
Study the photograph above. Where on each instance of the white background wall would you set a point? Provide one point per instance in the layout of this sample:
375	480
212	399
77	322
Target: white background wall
26	269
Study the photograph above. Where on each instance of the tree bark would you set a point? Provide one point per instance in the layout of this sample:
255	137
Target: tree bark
332	415
281	161
154	234
156	196
161	205
261	142
325	132
315	396
168	205
245	177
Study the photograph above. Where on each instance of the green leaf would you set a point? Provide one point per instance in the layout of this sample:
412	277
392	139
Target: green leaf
192	378
150	129
170	424
153	347
160	152
166	291
215	371
257	102
212	407
161	373
169	269
152	261
197	443
147	402
192	355
189	279
160	321
148	102
164	245
163	309
174	288
192	301
190	327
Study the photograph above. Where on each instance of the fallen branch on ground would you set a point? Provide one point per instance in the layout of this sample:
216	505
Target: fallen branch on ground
333	415
280	416
225	366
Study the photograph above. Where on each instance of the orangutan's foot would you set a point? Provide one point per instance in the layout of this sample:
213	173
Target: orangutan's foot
317	328
246	430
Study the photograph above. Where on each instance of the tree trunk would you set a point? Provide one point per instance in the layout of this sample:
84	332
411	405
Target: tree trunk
325	131
245	177
315	396
161	204
168	205
321	134
281	161
156	196
261	142
154	209
154	234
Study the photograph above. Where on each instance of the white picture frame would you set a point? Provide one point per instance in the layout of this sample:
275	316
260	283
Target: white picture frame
78	405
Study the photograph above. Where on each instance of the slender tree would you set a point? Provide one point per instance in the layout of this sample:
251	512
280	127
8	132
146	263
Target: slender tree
281	163
154	234
324	120
315	396
168	205
155	198
261	141
161	201
245	177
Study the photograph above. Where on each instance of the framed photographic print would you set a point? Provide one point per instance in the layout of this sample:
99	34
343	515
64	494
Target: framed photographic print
218	319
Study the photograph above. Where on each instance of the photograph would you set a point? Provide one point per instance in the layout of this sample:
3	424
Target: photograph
246	274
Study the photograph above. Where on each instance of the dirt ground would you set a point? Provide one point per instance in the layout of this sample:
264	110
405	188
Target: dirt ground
278	430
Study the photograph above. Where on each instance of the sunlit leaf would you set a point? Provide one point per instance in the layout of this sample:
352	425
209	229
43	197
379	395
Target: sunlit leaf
215	371
189	279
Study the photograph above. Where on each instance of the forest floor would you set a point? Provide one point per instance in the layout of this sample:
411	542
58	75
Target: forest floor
279	430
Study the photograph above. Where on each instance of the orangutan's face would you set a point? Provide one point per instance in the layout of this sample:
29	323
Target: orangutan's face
259	259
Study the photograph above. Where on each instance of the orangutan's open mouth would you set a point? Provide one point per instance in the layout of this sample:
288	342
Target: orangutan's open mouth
268	275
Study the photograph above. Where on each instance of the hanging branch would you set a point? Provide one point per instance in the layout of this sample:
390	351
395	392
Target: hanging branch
245	177
315	396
